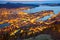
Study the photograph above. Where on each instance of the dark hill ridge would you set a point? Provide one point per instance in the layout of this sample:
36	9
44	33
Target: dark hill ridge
17	5
51	4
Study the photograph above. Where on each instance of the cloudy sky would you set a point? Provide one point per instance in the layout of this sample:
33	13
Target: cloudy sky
29	0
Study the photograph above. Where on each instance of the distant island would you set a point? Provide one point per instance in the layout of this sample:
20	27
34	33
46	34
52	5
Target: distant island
17	5
51	4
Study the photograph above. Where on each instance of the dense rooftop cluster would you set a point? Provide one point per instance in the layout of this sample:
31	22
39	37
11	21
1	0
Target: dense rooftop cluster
24	25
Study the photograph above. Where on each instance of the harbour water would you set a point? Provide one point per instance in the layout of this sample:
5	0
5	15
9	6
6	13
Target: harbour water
56	10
